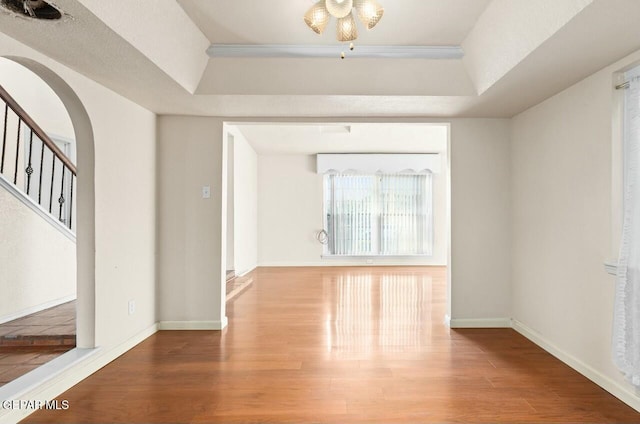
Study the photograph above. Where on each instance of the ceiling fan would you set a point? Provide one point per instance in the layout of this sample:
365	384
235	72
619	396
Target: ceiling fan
318	16
38	9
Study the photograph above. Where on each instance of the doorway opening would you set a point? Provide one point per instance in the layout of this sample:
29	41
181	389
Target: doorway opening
283	193
49	304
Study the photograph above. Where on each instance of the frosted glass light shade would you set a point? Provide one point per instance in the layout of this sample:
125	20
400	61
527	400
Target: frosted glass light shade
317	17
347	30
369	11
339	8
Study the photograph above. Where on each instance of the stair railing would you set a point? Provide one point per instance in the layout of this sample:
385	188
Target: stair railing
40	169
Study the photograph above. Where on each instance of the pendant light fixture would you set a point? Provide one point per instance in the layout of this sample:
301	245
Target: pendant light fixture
317	17
369	12
347	29
339	8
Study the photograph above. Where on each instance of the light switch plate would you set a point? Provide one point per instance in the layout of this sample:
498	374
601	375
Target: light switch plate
206	192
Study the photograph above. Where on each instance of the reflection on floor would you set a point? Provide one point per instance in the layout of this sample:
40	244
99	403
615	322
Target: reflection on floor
30	341
338	345
237	284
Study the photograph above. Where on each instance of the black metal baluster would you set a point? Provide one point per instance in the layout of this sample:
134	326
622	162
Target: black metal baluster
15	170
4	136
61	198
24	157
40	182
53	173
71	201
29	169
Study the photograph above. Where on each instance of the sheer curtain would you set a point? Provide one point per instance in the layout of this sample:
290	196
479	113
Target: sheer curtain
626	322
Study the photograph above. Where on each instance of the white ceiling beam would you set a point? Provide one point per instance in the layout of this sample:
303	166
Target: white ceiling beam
333	51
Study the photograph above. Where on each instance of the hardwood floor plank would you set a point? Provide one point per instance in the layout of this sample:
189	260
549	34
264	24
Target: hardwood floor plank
339	345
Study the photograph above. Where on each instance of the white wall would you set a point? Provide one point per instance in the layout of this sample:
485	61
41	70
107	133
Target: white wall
561	229
245	204
191	259
480	216
117	220
42	269
191	235
290	214
230	197
290	202
36	98
125	203
38	262
125	189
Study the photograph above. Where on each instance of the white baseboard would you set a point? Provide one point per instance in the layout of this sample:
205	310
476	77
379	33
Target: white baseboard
337	262
480	323
292	264
625	394
37	308
193	325
55	382
245	272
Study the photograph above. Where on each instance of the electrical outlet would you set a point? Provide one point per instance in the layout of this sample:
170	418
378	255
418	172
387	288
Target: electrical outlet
132	307
370	261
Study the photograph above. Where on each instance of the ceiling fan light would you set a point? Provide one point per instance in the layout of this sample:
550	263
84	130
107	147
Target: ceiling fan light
347	29
369	11
339	8
317	17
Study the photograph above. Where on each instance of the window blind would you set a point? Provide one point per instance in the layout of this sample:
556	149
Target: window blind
378	214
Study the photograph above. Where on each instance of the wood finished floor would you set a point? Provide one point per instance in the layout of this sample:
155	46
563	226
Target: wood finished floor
338	345
236	285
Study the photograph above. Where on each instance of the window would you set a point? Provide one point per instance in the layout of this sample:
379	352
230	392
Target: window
388	214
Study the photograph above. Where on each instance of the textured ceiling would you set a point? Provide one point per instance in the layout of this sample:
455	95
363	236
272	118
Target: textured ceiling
516	55
405	22
359	138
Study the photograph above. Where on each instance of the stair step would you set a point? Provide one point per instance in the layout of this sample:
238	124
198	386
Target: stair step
38	340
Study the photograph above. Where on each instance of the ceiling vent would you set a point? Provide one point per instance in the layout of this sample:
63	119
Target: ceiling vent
37	9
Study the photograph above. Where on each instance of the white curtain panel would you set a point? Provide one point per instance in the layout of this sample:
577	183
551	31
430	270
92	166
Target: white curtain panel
626	322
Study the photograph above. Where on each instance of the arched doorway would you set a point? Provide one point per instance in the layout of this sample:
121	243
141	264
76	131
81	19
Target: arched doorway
84	199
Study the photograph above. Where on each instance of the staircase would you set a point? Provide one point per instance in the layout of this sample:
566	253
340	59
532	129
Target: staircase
37	264
32	166
37	311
